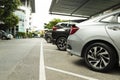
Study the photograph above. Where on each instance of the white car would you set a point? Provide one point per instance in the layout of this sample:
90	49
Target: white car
97	40
4	35
10	36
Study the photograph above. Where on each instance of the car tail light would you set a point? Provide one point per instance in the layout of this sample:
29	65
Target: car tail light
73	29
54	28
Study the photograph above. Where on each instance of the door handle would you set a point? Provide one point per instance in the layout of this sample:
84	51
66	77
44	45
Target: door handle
115	28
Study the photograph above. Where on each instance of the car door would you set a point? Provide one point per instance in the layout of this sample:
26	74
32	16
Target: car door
113	29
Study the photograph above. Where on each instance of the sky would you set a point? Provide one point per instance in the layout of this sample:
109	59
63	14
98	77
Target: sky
42	15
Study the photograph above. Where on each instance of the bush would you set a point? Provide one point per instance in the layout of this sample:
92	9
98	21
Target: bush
21	35
29	35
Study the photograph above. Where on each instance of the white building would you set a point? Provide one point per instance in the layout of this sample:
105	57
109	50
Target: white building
24	13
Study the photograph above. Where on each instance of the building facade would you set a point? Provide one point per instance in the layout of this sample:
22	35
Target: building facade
24	13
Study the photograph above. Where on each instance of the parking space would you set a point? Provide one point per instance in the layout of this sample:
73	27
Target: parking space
61	66
23	63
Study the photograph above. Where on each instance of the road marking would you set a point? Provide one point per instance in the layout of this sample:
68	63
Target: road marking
70	73
42	75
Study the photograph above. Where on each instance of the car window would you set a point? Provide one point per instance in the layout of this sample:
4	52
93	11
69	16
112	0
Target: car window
118	18
64	25
109	19
58	25
70	25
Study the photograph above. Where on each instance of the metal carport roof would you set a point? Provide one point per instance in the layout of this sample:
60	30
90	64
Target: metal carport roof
84	8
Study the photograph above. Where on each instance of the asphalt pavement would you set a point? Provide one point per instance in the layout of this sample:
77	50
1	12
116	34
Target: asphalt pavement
35	59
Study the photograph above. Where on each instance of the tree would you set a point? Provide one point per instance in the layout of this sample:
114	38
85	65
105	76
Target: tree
52	23
11	20
7	7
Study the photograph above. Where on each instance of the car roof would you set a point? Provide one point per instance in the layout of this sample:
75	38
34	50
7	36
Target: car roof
99	17
108	14
67	23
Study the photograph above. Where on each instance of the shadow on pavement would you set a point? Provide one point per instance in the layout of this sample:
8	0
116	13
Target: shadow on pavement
81	63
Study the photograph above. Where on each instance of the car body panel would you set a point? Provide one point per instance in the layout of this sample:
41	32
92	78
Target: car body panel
95	30
114	32
62	30
57	34
48	34
87	37
4	35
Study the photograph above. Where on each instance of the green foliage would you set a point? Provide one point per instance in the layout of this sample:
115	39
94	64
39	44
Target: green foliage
30	35
42	33
11	20
26	35
21	35
1	13
7	7
52	23
10	6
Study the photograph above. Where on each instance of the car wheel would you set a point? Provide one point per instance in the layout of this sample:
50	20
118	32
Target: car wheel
48	40
61	43
100	57
4	38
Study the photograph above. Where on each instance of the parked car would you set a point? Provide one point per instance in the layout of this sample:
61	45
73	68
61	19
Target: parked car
48	36
63	26
60	34
4	35
97	41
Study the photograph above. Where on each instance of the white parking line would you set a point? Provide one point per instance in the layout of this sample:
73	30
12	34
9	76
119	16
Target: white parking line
70	73
42	75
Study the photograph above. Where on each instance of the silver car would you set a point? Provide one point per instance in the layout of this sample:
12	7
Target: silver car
97	40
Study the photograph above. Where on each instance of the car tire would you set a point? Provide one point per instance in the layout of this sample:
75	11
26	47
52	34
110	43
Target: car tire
4	38
48	40
61	43
100	57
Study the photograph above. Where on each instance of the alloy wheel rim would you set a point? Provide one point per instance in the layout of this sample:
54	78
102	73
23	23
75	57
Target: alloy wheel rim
61	43
98	57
